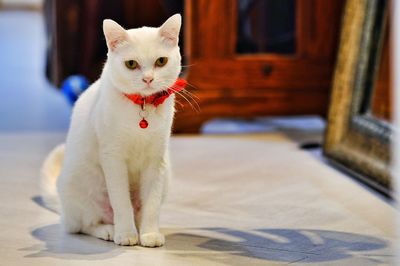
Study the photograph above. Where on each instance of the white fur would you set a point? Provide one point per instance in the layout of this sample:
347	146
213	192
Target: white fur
108	157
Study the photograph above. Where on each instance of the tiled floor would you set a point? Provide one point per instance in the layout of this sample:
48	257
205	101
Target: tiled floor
234	200
244	200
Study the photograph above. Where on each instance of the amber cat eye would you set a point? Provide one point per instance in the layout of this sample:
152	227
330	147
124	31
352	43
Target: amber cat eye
161	61
131	64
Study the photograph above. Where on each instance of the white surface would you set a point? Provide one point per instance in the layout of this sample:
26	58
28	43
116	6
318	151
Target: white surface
233	201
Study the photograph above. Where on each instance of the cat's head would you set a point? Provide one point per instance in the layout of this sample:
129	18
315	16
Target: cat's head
144	60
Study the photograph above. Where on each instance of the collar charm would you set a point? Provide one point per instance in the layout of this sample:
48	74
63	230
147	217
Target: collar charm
143	114
154	99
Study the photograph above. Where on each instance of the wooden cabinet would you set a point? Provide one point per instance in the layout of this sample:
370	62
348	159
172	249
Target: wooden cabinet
228	83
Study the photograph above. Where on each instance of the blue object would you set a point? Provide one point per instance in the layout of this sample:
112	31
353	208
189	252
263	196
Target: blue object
73	86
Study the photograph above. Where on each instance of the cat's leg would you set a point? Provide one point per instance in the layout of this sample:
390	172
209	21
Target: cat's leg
116	176
70	216
82	217
71	210
80	214
152	189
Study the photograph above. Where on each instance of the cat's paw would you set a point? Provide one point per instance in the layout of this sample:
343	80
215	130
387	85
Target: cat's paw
126	238
105	232
152	240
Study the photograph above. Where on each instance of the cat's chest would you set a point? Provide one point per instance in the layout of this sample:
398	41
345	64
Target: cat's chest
142	122
143	145
143	151
121	132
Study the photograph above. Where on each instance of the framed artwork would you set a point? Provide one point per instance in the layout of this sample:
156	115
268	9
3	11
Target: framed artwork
359	130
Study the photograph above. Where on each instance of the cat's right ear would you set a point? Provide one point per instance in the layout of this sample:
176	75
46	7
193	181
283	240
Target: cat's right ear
115	35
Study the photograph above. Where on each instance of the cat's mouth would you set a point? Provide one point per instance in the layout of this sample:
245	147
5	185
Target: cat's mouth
148	89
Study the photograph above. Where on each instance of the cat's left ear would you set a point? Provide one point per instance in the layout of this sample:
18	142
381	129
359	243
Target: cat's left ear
169	31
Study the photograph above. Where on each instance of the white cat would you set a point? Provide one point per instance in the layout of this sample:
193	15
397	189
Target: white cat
113	173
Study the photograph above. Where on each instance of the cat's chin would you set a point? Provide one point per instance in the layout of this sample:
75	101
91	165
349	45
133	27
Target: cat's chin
145	91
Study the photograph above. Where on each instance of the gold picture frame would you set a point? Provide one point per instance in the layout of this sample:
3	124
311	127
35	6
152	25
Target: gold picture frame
356	140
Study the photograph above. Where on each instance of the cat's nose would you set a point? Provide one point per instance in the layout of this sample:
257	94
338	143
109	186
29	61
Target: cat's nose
147	80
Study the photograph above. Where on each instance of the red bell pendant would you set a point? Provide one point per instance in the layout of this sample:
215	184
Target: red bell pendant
143	123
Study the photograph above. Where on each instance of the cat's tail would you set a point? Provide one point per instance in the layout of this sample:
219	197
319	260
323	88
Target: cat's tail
49	173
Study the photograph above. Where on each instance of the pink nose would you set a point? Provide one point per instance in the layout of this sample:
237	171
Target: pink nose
147	80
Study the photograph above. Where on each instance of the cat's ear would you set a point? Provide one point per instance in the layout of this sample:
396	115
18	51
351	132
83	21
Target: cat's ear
169	31
114	33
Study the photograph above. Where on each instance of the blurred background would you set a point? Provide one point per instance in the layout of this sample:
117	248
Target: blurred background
244	59
253	66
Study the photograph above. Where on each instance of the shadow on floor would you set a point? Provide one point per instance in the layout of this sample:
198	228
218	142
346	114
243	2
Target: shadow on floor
287	245
59	244
39	201
227	246
224	245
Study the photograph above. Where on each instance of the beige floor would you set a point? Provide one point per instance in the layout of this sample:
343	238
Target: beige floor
233	201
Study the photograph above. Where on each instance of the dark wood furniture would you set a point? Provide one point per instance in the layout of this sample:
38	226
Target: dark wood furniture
232	84
227	83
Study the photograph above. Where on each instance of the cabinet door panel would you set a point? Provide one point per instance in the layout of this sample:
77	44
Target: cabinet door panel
277	83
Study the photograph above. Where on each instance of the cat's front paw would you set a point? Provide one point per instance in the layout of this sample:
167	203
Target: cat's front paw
152	240
126	238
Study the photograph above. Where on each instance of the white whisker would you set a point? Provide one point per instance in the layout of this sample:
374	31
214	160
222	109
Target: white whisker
184	93
196	108
192	97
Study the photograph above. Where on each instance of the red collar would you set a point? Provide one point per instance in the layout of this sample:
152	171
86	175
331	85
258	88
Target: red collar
159	97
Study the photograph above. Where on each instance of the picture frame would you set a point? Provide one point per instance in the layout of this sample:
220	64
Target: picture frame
355	140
